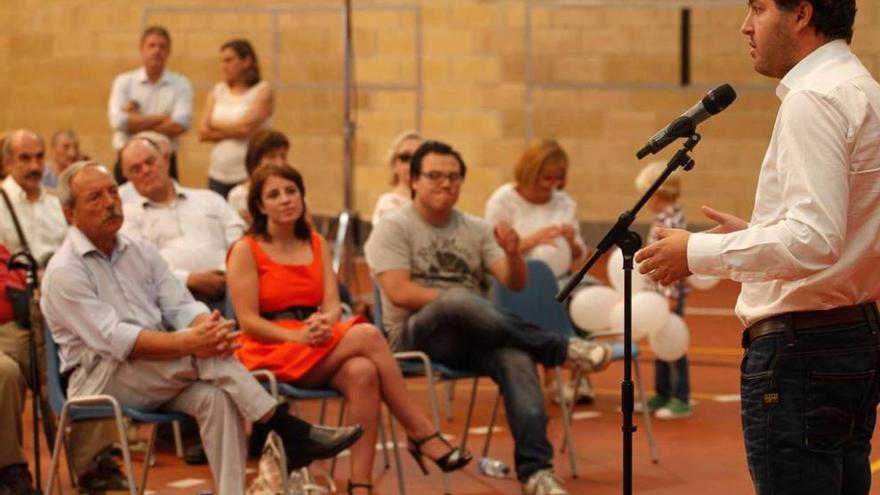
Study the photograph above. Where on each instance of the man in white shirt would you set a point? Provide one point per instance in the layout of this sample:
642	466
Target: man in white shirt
43	227
808	259
151	97
191	228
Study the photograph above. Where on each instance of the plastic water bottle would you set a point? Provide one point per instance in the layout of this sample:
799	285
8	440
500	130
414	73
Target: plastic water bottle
495	468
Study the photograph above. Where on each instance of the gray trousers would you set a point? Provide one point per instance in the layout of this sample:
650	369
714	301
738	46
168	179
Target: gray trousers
85	440
219	392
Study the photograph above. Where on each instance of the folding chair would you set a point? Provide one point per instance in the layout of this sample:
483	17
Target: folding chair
419	364
96	407
537	304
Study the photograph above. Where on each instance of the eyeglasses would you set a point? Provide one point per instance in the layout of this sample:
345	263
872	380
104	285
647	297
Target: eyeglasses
404	157
437	176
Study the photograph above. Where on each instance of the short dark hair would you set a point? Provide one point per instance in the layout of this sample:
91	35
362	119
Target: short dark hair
157	30
438	147
831	18
262	143
260	225
243	49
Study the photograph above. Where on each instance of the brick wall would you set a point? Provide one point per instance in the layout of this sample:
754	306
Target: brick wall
600	79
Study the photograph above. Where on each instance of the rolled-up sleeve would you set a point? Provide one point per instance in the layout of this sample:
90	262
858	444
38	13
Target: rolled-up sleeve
118	99
183	103
73	306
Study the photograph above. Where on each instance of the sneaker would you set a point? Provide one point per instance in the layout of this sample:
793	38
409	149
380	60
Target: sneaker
585	393
674	409
15	479
105	474
543	482
654	403
587	355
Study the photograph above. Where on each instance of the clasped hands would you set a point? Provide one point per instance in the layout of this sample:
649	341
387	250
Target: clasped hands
212	336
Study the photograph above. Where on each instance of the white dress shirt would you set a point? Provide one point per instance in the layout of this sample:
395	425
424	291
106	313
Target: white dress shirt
172	94
192	233
42	221
814	238
102	303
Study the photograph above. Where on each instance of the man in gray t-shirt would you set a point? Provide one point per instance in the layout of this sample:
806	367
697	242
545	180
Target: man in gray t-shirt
431	263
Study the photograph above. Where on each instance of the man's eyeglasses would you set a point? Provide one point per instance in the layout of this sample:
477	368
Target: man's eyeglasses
404	157
437	176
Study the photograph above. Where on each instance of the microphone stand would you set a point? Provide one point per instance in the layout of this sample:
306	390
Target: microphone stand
30	266
629	242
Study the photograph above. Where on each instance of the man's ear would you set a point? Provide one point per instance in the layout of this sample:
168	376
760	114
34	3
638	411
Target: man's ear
803	15
68	214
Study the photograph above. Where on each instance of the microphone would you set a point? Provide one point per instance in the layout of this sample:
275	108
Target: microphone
715	101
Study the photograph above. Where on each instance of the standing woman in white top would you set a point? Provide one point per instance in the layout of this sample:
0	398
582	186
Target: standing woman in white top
537	208
398	158
235	109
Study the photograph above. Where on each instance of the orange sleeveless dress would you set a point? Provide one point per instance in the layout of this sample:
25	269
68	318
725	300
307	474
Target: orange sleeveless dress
281	287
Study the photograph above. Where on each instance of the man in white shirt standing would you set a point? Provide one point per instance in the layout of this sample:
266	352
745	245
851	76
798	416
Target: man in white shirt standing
191	228
43	228
808	259
151	98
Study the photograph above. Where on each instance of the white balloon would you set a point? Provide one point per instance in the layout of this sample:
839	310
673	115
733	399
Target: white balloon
615	272
590	305
703	282
670	343
650	312
556	255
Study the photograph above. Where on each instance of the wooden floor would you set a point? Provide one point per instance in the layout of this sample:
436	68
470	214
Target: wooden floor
700	453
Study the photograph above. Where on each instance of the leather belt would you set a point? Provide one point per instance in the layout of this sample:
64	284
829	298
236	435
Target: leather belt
292	313
809	320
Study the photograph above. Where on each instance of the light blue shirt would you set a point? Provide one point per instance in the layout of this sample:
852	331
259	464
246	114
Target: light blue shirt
94	302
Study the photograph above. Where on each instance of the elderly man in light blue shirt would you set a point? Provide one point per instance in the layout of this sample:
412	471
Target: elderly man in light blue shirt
125	326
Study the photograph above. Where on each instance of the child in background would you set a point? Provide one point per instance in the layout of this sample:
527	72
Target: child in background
671	381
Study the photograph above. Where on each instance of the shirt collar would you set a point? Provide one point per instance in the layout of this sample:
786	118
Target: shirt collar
16	192
797	76
82	245
179	193
143	79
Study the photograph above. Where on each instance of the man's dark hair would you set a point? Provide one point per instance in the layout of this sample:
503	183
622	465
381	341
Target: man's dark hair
831	18
438	147
158	30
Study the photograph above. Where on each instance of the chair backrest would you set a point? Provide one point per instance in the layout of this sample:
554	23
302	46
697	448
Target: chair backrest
537	302
57	392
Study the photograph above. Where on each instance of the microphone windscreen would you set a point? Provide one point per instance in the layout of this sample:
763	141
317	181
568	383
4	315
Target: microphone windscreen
719	98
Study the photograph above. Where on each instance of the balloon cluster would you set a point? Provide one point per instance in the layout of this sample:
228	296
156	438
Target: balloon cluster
600	308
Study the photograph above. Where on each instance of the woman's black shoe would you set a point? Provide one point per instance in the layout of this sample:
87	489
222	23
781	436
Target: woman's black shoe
456	458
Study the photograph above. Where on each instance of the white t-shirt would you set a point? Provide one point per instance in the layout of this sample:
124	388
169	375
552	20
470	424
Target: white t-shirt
389	203
526	218
227	156
237	197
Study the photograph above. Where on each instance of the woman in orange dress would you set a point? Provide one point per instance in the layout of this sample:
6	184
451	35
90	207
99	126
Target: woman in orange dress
286	300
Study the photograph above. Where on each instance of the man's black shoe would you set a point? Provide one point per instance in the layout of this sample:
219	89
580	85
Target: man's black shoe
15	479
321	443
105	474
194	455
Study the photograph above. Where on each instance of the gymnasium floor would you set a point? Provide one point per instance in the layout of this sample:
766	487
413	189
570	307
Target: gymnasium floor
700	453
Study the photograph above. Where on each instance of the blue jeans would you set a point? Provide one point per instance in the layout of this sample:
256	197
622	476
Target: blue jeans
465	331
672	379
809	408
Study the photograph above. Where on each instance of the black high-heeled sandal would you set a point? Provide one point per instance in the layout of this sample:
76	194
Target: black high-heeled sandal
352	485
456	458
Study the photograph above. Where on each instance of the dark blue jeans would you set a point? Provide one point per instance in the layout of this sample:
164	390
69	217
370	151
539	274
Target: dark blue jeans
809	408
465	331
673	379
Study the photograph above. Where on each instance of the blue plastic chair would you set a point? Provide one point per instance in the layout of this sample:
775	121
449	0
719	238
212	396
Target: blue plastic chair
96	407
537	303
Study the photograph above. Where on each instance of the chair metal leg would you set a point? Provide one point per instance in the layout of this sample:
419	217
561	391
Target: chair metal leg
148	458
73	478
383	440
401	486
450	396
491	423
339	421
435	409
178	439
56	453
470	413
649	431
568	442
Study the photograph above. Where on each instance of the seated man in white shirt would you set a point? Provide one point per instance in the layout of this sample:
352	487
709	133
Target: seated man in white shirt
125	326
191	228
43	227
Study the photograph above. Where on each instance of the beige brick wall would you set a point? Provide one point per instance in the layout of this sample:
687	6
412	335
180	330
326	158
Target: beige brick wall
604	80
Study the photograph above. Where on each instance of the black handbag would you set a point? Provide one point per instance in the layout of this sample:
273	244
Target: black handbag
19	298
